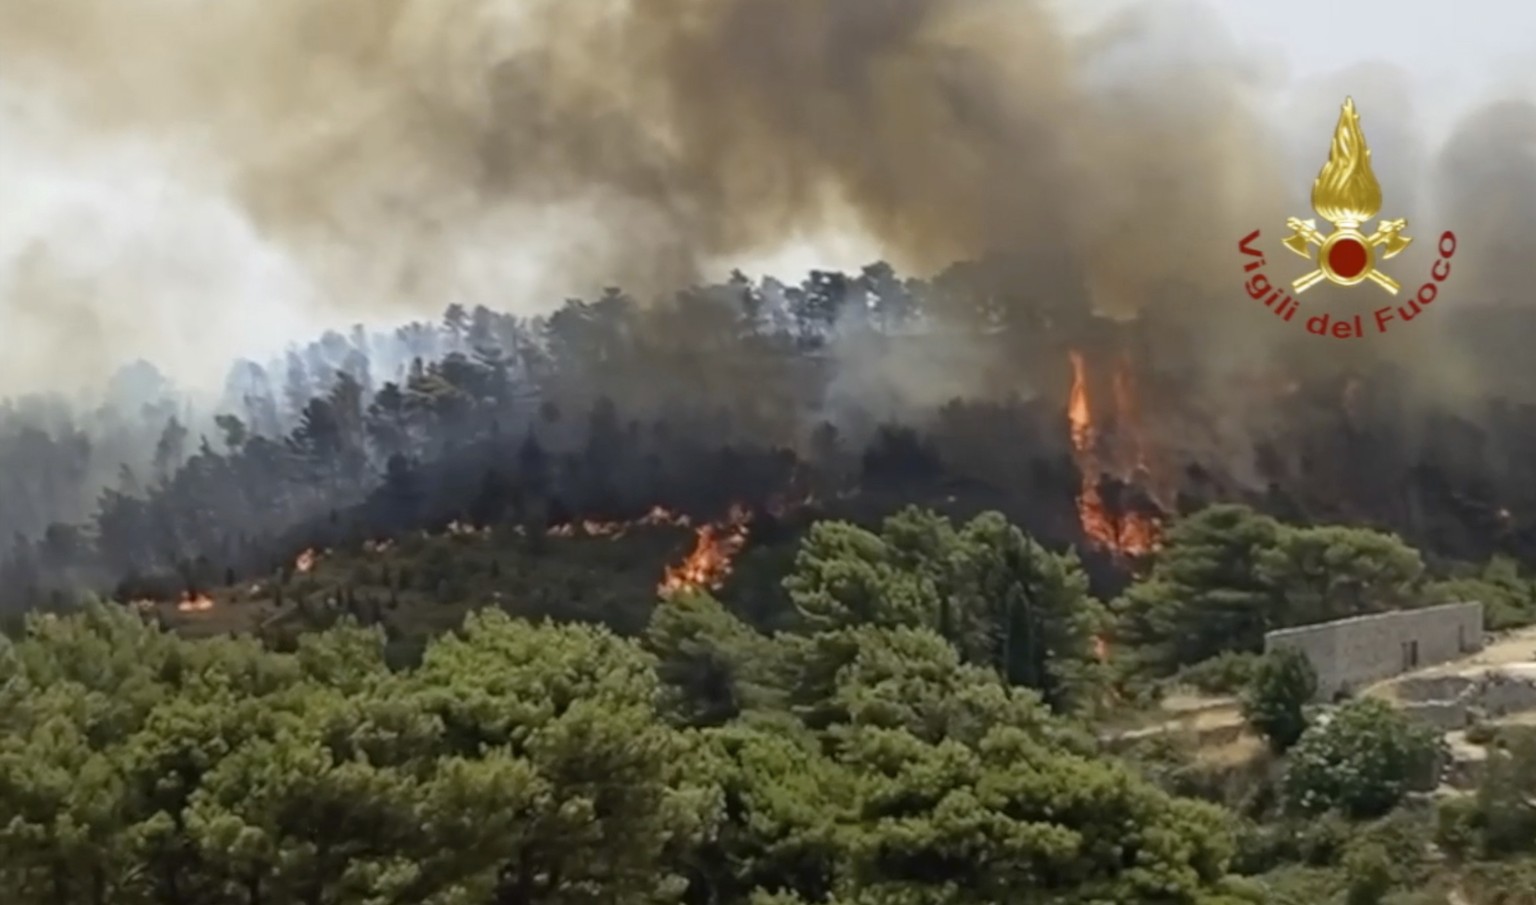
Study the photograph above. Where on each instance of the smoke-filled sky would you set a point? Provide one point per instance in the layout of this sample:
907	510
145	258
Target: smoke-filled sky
192	179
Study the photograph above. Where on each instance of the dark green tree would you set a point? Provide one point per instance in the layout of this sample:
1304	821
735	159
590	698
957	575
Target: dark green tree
1275	701
1334	571
1005	602
1227	575
1204	594
712	665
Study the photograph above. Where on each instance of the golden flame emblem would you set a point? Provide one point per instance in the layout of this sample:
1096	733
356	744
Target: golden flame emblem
1347	194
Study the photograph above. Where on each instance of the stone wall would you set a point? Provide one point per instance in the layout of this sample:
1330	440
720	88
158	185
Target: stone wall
1487	695
1350	653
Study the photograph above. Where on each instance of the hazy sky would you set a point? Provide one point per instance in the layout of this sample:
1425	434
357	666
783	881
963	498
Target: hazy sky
1457	55
1457	45
1317	35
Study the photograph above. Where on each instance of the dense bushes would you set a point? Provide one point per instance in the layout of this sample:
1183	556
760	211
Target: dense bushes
1228	574
874	755
1499	819
1228	672
917	736
1274	703
1361	760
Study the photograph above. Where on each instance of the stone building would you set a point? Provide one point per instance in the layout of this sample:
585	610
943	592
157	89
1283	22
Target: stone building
1350	653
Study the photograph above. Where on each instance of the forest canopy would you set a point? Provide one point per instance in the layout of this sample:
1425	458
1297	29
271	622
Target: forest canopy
932	721
536	763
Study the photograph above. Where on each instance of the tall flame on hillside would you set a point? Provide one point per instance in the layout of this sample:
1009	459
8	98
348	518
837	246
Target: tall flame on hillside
1097	525
709	563
1123	534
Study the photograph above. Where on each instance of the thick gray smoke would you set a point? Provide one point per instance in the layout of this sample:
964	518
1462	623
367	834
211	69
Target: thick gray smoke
362	157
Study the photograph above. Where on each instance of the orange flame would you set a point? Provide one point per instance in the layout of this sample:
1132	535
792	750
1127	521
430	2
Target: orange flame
705	567
1097	524
1078	411
709	564
1131	534
194	603
716	544
659	516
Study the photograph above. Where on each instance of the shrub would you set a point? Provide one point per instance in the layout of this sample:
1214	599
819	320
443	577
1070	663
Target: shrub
1508	596
1362	761
1456	826
1321	842
1274	703
1482	733
1226	673
1368	872
1318	842
1500	818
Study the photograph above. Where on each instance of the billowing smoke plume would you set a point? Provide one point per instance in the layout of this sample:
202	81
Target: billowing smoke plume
394	154
1488	177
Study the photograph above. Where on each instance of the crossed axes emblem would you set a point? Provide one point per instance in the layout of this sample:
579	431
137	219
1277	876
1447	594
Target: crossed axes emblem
1388	233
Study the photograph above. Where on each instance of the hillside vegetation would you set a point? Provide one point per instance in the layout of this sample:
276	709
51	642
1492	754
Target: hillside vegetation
918	727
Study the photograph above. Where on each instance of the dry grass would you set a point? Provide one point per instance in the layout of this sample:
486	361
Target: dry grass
1242	751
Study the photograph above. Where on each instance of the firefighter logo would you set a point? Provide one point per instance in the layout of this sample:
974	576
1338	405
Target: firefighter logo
1346	194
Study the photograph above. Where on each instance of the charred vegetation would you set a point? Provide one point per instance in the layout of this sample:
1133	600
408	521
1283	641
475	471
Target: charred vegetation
760	397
